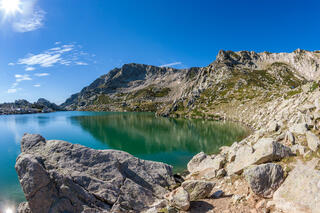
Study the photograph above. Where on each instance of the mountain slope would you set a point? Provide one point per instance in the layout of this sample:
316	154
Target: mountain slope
234	77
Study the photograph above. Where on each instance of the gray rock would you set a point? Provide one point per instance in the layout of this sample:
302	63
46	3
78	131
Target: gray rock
299	129
298	149
24	208
202	161
198	189
218	194
266	150
237	198
231	156
199	162
264	179
221	173
313	141
179	198
218	162
29	141
241	160
57	176
300	192
273	127
289	138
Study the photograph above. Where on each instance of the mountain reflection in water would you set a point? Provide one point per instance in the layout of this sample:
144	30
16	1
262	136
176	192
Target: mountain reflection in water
142	133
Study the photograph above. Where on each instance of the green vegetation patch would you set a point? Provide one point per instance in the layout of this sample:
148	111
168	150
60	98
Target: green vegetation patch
103	99
314	86
150	92
294	92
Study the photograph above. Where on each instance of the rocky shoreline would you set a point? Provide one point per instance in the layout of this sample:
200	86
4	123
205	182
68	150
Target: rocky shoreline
25	107
275	169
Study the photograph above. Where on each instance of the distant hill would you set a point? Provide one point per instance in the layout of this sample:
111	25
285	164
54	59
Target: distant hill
25	107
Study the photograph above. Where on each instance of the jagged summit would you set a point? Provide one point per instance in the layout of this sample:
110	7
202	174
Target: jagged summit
305	63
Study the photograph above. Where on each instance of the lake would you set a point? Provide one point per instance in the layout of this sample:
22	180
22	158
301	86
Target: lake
173	141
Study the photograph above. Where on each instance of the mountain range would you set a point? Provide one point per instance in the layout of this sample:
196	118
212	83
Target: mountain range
234	78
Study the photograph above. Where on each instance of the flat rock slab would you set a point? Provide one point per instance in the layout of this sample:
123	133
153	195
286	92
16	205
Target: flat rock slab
300	192
57	176
265	150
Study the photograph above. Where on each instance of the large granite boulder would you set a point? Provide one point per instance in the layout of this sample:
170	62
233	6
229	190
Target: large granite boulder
313	141
202	161
264	151
300	192
264	179
57	176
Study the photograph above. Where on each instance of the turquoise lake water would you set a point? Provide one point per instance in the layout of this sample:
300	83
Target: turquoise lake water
173	141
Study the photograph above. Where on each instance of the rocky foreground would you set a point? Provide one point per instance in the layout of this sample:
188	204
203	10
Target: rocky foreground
58	176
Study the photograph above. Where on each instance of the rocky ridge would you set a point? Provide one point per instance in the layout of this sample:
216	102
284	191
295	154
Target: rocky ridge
233	79
25	107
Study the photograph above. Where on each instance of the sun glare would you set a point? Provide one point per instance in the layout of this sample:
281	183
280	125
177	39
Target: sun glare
8	210
10	7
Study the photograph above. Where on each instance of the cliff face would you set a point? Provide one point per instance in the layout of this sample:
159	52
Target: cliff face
233	77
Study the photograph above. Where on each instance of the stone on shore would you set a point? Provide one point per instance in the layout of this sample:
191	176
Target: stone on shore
198	189
264	179
57	176
179	198
289	138
300	192
313	141
202	161
199	162
265	150
299	129
298	149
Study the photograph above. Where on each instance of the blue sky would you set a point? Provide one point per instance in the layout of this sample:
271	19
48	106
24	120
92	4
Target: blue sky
53	49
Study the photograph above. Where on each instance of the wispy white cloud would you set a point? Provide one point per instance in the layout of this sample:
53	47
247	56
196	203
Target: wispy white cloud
11	64
37	85
44	60
20	78
30	22
12	90
29	69
171	64
15	84
41	74
81	63
67	54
